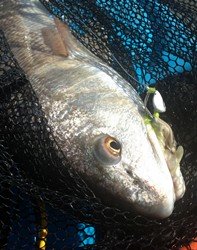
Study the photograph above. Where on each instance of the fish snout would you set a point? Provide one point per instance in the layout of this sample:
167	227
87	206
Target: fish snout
165	207
157	199
153	194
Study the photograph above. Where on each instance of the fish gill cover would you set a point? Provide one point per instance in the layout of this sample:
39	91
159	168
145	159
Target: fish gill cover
152	41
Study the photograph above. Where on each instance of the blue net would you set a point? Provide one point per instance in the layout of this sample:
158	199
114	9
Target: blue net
147	40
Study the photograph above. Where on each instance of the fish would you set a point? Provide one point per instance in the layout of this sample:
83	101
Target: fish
96	116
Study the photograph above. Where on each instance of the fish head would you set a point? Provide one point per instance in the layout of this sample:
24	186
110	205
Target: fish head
125	165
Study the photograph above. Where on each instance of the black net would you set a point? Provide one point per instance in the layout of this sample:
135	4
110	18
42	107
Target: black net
41	200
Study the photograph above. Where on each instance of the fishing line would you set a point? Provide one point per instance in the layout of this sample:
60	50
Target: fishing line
57	5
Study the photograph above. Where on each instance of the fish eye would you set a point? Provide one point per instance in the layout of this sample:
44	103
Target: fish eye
112	145
107	150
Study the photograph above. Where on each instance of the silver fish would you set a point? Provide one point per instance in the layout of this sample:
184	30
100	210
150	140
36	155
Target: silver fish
96	117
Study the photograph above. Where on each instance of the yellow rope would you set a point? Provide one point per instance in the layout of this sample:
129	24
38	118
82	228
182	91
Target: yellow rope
43	231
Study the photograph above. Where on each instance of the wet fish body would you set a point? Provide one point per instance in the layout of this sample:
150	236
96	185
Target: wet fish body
96	117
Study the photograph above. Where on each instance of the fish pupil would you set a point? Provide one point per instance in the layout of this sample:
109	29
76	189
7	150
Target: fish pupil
115	145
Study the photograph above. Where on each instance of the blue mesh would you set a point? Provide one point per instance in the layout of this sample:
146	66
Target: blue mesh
147	38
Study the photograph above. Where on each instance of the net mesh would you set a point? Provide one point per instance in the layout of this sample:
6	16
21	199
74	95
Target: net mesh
41	201
146	39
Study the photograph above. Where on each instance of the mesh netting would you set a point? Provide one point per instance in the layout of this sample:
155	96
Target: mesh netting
146	39
37	192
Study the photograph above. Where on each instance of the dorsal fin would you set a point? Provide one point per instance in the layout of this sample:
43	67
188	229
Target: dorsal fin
73	46
54	41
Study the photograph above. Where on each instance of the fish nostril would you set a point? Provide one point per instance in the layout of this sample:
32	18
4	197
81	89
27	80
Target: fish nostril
134	180
129	172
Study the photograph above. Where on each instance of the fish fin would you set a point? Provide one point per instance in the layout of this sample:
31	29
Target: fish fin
70	42
54	41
